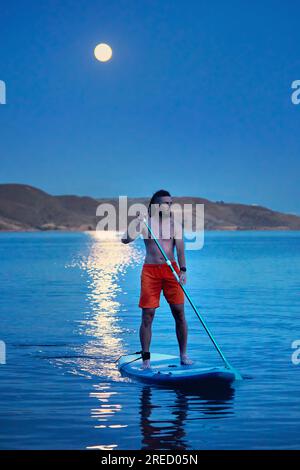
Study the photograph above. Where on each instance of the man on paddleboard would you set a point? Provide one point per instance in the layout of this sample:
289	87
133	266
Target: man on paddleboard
156	274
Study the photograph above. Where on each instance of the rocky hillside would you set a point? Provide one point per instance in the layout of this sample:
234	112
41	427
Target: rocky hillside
25	208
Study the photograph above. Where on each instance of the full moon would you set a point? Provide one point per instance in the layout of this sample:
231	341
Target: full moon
103	52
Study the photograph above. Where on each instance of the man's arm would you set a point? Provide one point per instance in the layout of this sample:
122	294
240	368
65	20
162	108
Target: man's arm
179	244
134	230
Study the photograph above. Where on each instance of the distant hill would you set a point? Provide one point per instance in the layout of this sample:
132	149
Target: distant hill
25	208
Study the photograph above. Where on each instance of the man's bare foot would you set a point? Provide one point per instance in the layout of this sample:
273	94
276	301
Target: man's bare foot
146	364
185	360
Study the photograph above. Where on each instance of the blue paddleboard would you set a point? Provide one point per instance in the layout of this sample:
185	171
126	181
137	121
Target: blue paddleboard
167	370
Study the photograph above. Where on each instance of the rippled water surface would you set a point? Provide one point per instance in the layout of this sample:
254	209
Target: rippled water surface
68	310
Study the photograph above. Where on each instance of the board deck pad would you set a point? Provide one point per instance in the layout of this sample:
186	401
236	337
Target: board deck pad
166	369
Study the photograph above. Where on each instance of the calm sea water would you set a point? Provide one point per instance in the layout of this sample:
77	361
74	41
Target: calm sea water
68	310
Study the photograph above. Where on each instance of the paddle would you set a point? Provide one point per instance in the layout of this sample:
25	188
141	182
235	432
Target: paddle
168	262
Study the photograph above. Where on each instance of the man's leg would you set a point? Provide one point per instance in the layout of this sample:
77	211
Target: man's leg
146	332
181	331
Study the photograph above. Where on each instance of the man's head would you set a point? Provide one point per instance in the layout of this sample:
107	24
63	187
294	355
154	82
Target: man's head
161	199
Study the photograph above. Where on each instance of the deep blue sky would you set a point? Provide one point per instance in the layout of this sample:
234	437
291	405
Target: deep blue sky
196	98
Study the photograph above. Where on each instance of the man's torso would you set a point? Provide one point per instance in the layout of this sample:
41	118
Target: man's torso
165	234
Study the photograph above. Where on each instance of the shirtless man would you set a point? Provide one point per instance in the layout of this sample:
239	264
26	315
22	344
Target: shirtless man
157	276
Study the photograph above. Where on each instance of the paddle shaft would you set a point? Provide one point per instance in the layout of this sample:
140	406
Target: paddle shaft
188	297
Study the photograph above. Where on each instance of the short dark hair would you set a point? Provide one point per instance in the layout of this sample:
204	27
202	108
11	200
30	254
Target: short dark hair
156	195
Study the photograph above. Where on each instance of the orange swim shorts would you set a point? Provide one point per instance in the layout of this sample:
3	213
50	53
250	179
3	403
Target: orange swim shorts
156	278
